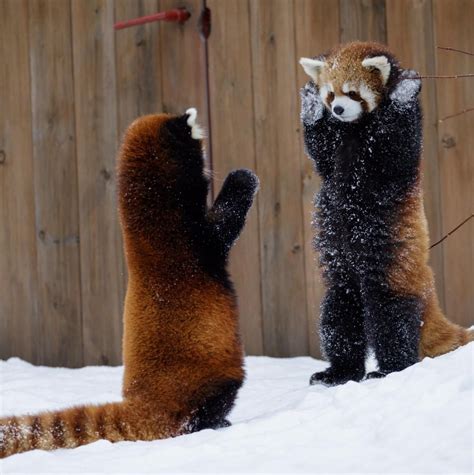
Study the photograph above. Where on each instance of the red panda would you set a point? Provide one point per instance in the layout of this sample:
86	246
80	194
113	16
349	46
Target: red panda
182	353
345	77
363	129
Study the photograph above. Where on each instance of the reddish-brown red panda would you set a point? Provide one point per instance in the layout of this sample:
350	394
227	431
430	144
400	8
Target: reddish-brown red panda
181	347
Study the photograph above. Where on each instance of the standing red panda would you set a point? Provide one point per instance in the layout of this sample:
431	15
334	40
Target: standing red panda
363	129
181	348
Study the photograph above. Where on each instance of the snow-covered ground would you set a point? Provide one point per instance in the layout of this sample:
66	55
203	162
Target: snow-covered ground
416	421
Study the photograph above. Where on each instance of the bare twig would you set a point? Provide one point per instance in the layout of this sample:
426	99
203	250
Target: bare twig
454	76
452	231
455	115
448	48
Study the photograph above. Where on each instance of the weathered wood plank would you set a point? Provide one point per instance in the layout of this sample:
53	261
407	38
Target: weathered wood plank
453	27
20	329
232	123
102	263
138	63
57	220
414	46
183	63
362	20
278	166
313	37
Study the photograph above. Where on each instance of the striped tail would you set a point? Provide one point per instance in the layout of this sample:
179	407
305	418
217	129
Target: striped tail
82	425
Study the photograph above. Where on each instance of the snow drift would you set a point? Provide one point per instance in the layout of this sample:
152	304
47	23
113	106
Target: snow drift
417	421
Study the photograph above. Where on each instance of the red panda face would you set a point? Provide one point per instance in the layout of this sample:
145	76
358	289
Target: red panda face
351	80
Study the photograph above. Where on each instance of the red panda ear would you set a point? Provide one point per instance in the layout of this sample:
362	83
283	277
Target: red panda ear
380	63
312	67
197	132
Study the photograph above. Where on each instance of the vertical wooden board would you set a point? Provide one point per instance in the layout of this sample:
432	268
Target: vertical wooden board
20	328
183	63
279	168
453	27
313	37
102	265
362	20
138	63
232	123
57	221
138	67
410	35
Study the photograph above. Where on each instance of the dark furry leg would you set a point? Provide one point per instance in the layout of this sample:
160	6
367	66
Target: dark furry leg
213	411
342	336
228	213
393	327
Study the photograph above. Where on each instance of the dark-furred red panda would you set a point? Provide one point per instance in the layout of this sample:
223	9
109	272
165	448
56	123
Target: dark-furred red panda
363	129
181	347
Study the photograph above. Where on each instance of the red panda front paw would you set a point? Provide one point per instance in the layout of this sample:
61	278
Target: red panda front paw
407	88
312	107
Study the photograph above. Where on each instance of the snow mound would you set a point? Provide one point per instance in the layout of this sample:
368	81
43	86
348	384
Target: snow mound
417	421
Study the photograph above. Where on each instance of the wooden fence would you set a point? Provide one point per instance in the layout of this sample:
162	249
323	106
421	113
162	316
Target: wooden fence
69	85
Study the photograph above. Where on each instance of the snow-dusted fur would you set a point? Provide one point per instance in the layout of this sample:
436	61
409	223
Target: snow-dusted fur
371	228
183	359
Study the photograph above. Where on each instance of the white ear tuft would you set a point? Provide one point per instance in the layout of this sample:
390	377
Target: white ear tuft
197	132
381	63
312	67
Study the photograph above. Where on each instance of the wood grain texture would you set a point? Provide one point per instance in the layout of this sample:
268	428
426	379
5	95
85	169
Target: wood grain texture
20	328
76	119
183	63
138	63
57	220
102	265
232	123
453	27
313	37
278	166
362	20
415	47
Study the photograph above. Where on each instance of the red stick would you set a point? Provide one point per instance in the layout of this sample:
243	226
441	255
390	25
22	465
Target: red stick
179	15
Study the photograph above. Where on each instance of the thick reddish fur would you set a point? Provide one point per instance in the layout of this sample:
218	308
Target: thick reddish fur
412	275
181	345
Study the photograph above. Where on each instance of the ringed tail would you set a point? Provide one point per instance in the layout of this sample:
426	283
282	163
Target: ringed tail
80	425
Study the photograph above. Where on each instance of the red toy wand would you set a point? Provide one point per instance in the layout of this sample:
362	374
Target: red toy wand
179	15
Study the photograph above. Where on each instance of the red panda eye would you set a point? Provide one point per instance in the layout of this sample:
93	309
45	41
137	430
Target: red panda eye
330	96
353	95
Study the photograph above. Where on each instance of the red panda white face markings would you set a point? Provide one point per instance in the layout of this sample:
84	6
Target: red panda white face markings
351	80
346	104
370	97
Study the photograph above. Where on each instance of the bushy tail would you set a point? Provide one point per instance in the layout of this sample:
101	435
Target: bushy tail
439	335
79	426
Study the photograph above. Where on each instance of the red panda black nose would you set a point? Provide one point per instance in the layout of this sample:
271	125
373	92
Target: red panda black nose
338	110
